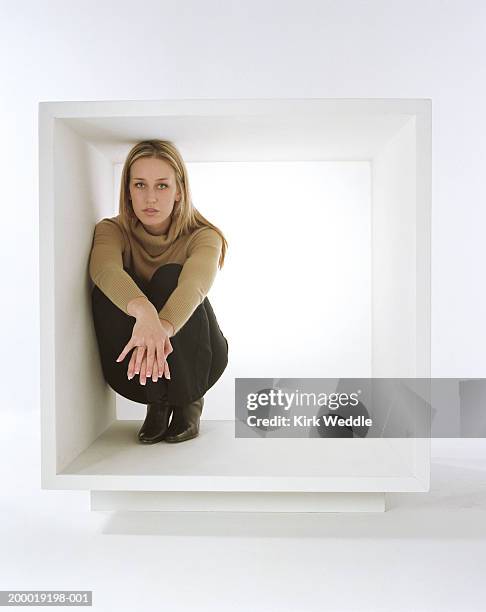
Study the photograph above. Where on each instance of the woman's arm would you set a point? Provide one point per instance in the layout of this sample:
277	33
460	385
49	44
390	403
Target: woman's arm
150	335
139	307
106	268
195	279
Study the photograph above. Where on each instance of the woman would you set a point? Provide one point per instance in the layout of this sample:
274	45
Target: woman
155	262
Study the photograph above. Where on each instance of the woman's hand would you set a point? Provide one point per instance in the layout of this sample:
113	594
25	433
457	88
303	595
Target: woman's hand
152	335
144	373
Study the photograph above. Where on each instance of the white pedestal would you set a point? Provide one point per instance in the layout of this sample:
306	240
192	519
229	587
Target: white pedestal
178	501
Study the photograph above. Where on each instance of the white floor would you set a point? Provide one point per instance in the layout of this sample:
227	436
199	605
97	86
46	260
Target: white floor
427	552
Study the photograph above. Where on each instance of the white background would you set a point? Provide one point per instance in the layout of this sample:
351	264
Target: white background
150	50
294	294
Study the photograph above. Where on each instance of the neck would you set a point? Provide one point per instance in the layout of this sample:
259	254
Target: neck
160	231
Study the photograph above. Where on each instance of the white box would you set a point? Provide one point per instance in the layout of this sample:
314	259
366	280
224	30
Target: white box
84	445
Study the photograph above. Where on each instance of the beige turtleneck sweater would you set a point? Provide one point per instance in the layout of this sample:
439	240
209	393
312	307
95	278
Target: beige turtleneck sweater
113	249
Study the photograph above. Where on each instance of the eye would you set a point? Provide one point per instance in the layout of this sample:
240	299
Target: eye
140	183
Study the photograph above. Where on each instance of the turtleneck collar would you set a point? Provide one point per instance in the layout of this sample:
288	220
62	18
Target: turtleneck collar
154	244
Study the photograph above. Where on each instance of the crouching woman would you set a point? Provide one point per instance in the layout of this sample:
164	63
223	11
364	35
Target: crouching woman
152	266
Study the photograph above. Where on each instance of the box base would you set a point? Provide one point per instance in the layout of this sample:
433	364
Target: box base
214	501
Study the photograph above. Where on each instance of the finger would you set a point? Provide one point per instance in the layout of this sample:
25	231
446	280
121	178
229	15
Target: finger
138	361
165	369
169	349
150	373
131	366
160	357
155	371
128	346
150	358
143	366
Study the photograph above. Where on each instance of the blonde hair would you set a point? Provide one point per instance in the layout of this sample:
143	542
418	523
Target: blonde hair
186	217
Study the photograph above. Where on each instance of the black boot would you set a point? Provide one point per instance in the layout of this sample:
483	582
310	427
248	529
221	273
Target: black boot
185	422
156	422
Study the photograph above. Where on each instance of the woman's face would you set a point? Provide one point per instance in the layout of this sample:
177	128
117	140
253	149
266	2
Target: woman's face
153	188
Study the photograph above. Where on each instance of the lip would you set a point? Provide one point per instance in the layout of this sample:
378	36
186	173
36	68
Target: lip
150	211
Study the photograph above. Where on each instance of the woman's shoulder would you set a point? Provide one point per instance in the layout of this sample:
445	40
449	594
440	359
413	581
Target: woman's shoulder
110	222
205	235
111	225
110	230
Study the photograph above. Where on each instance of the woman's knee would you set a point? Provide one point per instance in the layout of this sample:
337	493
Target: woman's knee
101	304
113	326
164	280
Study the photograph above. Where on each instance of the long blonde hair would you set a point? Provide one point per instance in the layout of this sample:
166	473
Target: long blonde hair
187	217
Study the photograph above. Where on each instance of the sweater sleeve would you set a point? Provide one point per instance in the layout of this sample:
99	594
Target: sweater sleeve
106	265
195	278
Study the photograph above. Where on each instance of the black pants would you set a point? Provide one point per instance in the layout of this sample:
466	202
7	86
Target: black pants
200	350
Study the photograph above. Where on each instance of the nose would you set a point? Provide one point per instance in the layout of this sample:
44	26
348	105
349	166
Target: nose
151	197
